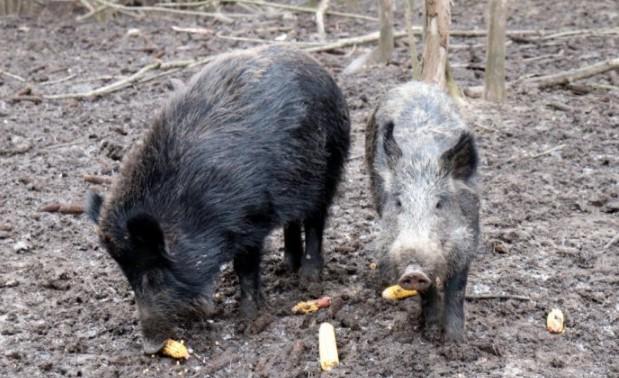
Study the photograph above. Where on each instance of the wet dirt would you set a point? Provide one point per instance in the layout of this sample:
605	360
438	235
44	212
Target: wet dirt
549	178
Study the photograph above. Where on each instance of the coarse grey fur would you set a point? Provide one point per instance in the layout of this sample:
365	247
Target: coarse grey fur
422	162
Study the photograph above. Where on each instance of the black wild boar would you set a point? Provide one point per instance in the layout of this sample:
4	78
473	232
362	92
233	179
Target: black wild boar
256	140
422	161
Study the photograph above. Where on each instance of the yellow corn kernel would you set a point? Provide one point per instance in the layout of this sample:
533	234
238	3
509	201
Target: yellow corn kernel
175	349
395	293
327	347
555	321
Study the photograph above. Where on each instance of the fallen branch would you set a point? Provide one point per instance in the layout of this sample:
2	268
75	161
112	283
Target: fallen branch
580	32
344	42
139	76
573	75
63	208
217	16
416	30
99	180
266	41
496	296
555	79
108	88
297	8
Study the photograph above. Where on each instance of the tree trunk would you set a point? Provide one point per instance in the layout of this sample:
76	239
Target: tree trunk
436	42
385	42
494	80
415	63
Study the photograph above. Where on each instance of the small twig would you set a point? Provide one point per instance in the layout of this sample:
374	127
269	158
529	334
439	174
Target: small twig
61	80
497	296
534	156
542	57
611	242
320	19
195	4
218	16
63	208
91	13
12	76
16	151
87	5
557	106
547	152
99	180
33	99
192	30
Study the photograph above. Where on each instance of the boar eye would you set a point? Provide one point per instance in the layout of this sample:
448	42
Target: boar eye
439	204
398	203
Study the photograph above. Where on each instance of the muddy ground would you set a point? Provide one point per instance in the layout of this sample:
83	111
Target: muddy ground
550	184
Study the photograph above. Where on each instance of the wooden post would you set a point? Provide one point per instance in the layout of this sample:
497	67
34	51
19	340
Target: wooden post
385	42
494	80
436	42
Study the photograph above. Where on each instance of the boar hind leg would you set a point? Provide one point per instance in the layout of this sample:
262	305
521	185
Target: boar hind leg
247	268
311	262
454	306
293	245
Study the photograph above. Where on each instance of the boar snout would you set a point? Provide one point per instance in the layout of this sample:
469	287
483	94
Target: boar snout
414	279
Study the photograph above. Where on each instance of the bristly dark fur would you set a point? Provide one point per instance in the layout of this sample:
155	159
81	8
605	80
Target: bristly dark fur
258	139
93	206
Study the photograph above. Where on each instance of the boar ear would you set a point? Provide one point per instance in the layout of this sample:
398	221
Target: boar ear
461	159
392	150
147	238
93	206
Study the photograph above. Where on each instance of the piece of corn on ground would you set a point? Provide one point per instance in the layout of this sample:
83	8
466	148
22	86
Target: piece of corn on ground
175	349
327	347
395	293
555	321
309	307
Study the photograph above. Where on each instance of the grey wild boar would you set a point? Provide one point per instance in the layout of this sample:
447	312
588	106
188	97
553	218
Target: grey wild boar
422	161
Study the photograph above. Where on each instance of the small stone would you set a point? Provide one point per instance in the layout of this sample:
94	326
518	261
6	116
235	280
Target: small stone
21	246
